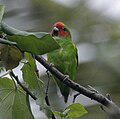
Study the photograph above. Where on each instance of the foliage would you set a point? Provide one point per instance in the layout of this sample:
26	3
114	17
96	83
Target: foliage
36	42
14	103
72	111
10	56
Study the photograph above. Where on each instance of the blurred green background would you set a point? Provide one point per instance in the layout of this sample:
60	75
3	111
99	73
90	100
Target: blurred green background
96	32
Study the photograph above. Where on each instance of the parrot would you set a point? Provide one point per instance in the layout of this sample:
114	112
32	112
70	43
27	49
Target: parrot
64	59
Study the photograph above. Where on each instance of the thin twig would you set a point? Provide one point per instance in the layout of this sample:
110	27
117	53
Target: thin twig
23	87
47	88
114	109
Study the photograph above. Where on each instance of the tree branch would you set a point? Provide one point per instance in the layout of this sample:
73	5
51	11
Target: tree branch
23	87
112	109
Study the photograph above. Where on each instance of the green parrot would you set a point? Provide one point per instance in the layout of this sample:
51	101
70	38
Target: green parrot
64	59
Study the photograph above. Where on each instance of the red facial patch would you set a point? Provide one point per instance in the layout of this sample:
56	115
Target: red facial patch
61	27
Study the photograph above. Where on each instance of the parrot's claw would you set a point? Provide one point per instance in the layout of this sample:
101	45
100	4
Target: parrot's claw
52	65
66	77
108	96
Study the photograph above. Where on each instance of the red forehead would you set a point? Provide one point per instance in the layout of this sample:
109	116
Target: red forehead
59	24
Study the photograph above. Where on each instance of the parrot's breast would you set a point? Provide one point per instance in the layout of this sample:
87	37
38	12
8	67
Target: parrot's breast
64	59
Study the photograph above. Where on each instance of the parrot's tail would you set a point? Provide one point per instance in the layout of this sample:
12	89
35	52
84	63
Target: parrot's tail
64	91
65	98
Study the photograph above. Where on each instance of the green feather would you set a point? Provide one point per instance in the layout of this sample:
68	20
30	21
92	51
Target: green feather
65	60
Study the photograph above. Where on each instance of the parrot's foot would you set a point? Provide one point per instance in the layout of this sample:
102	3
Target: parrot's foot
52	65
92	89
75	96
108	96
66	77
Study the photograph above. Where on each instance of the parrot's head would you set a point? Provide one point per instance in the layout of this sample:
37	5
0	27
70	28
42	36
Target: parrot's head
60	30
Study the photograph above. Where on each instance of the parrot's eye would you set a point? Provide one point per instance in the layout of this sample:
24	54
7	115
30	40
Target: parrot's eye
63	28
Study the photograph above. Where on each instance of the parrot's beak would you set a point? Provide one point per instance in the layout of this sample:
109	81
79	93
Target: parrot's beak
55	31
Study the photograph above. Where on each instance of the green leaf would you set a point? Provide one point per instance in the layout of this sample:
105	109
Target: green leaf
10	56
74	110
31	78
35	84
1	12
35	43
12	101
28	103
59	114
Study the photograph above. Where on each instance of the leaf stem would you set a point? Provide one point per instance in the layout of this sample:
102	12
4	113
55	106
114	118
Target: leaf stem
14	82
23	87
